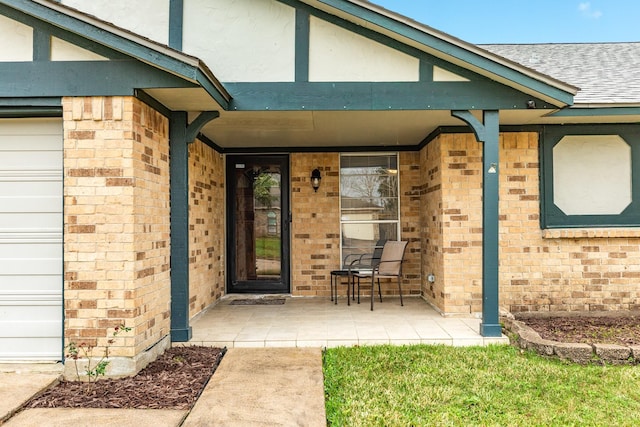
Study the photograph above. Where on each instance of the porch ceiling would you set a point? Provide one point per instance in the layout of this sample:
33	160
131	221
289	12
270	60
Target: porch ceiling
340	129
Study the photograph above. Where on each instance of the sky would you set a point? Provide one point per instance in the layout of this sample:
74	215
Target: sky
526	21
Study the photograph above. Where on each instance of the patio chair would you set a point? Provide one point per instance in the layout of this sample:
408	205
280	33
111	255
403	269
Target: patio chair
389	267
351	264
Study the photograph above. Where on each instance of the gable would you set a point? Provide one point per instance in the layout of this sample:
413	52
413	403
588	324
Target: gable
337	54
63	52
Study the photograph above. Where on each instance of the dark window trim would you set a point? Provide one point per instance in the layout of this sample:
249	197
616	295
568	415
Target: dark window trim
551	216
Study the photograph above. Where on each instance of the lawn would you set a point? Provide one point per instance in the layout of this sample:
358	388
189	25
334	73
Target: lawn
268	247
473	386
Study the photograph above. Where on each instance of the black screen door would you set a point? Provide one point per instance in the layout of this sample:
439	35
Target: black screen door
258	223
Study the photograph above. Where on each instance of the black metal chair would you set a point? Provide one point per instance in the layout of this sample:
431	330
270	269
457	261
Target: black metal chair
354	263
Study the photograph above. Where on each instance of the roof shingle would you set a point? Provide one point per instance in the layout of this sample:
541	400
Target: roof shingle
606	73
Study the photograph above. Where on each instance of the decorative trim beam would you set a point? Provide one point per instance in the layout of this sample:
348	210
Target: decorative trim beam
376	96
82	78
195	126
302	45
41	45
176	13
487	132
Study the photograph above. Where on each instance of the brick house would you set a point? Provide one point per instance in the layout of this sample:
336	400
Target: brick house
141	158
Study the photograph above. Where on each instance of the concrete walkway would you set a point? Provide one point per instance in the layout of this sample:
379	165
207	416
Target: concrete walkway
251	387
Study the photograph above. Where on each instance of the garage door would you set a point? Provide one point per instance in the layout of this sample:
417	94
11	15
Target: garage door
30	239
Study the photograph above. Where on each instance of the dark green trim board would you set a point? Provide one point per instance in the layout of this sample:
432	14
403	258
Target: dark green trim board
41	45
426	71
212	89
24	112
176	14
179	196
302	45
328	96
82	78
152	102
551	216
487	133
597	112
209	143
465	129
30	107
449	49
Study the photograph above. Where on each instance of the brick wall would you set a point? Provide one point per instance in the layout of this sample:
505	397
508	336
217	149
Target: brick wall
315	228
206	227
117	224
315	248
431	223
558	270
540	270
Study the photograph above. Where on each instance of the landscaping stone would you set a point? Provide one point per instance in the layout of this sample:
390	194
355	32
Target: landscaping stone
612	353
526	337
576	352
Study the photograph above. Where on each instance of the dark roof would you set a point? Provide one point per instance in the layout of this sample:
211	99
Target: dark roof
606	73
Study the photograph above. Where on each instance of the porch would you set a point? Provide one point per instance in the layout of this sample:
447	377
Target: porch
318	322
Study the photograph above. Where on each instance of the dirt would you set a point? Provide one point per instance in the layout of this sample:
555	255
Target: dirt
599	329
173	381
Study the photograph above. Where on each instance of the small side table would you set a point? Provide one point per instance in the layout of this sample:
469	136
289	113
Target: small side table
339	275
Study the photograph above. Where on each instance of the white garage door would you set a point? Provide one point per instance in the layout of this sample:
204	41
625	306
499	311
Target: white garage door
30	239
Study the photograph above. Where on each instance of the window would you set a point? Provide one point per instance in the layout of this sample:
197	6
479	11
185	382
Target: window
591	176
369	202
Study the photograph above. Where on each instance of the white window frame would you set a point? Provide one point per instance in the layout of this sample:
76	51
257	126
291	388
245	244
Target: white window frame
397	221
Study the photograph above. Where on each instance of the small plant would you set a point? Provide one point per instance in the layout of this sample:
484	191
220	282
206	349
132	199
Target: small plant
85	351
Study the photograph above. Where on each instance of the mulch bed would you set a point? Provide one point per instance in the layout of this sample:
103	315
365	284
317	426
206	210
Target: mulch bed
173	381
619	329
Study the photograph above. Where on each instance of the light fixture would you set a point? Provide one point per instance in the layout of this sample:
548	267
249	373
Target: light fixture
315	179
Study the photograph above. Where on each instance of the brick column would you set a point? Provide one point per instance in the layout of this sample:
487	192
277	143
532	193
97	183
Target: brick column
116	212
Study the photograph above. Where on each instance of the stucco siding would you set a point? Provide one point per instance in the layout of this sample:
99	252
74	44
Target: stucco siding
149	18
242	40
16	41
336	54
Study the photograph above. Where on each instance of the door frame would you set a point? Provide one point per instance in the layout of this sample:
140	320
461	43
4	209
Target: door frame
257	286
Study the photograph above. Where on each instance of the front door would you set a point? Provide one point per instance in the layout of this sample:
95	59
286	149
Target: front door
258	223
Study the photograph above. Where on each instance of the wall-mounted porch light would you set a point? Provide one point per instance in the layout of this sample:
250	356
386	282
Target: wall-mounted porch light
315	179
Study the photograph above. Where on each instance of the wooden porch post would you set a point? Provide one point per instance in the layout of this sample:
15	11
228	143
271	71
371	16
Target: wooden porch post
181	134
487	133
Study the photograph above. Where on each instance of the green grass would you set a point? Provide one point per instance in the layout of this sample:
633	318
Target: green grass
268	247
474	386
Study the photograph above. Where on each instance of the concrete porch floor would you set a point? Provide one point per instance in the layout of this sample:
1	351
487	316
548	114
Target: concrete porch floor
318	322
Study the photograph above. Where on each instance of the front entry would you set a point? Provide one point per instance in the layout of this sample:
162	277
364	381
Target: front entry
258	223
